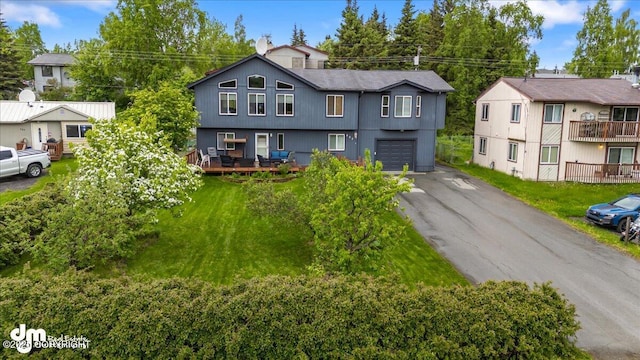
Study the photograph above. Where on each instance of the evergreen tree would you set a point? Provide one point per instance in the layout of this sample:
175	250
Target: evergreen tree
11	76
375	41
431	26
298	37
404	46
348	48
29	44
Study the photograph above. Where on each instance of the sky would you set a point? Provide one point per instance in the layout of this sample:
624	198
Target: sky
64	21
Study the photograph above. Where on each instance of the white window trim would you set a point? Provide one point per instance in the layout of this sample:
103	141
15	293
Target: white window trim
418	106
264	81
344	142
280	144
278	83
544	116
485	112
515	114
293	105
482	146
226	81
79	137
264	102
225	146
548	161
395	107
383	106
334	105
512	156
220	100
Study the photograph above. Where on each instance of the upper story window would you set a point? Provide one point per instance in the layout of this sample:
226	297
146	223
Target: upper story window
515	113
418	105
625	114
281	85
230	84
335	105
77	131
384	107
485	112
257	104
403	106
549	154
256	82
284	104
553	113
47	71
228	103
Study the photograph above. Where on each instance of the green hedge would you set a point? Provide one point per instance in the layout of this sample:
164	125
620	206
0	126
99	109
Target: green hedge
289	317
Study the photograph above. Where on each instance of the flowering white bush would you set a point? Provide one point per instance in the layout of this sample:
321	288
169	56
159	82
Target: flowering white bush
150	175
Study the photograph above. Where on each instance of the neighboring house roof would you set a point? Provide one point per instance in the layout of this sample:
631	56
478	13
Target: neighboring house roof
288	47
595	91
351	80
14	112
312	48
53	60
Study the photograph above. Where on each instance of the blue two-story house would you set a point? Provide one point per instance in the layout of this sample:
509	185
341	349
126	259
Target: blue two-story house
264	106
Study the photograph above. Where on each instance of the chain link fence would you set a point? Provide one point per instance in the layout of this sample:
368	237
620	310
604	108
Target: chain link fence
456	149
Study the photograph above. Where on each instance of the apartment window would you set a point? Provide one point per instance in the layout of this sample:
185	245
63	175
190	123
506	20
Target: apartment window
221	145
284	104
256	82
620	155
230	84
336	142
280	141
403	106
485	112
384	111
513	152
482	147
549	154
553	113
257	104
47	71
228	103
625	114
335	105
418	105
77	131
515	113
281	85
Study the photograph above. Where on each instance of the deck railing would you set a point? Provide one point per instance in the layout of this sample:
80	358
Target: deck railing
602	173
618	131
55	150
192	157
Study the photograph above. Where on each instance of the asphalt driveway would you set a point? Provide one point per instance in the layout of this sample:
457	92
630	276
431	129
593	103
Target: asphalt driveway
489	235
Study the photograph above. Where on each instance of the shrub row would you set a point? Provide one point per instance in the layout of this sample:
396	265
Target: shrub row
289	317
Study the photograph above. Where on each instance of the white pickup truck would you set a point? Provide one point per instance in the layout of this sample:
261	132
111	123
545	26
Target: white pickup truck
29	162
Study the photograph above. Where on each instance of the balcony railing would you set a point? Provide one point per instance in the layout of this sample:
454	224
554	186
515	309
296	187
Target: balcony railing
602	173
603	131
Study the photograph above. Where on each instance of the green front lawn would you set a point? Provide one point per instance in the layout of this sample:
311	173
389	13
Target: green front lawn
58	170
217	240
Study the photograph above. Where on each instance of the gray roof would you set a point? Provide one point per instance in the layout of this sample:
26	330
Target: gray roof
595	91
12	112
350	80
53	60
371	80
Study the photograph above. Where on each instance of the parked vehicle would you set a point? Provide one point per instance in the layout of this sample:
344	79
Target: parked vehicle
29	162
615	213
633	233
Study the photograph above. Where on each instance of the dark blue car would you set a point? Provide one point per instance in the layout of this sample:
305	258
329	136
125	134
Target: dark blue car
615	213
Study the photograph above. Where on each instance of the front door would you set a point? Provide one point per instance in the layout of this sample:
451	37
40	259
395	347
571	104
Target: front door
39	133
262	145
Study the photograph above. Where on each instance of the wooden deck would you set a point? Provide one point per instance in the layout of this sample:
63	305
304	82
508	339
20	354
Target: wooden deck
246	170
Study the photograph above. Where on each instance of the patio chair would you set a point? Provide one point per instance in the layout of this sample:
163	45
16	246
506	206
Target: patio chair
263	162
226	161
204	159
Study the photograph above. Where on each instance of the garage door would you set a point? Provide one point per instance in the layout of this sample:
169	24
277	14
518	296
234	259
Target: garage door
395	153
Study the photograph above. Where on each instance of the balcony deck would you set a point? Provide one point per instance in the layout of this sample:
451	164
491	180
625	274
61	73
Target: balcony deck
604	131
602	173
244	167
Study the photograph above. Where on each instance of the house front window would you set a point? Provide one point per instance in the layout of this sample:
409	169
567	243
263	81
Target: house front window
625	114
515	113
335	105
280	144
281	85
229	84
553	113
384	107
485	112
403	106
549	154
418	105
221	145
256	82
336	142
482	146
47	71
77	131
228	104
513	152
620	155
257	104
284	104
